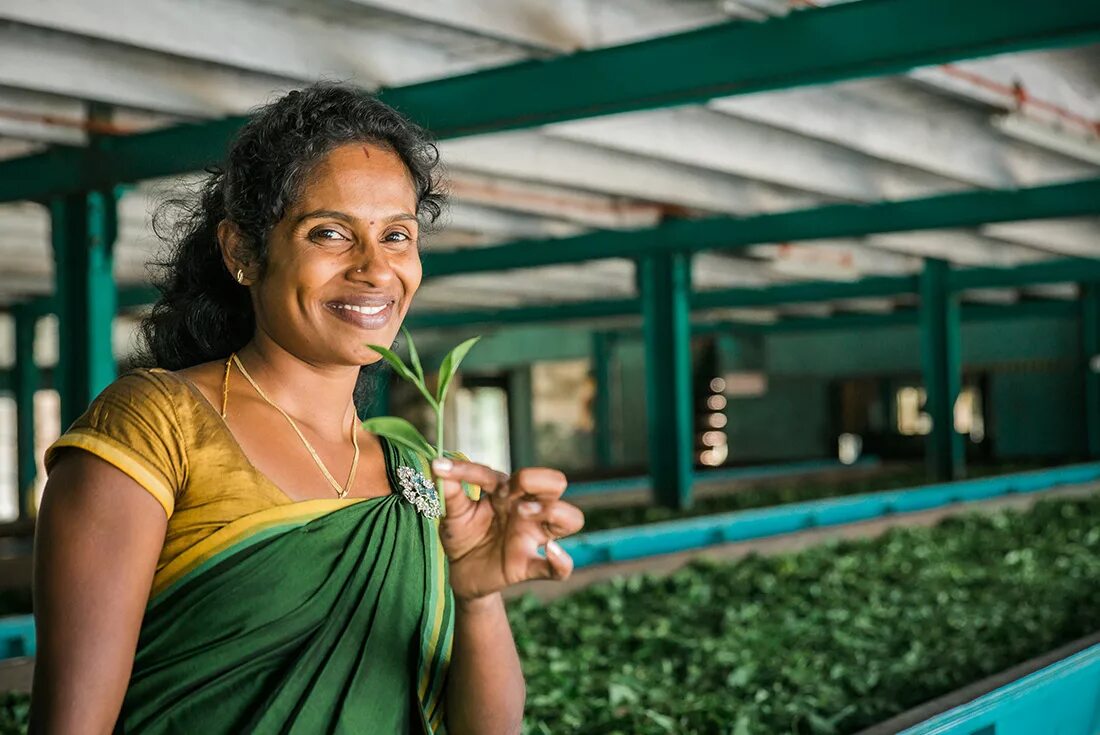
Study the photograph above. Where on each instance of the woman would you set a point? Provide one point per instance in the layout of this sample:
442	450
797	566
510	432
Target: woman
221	547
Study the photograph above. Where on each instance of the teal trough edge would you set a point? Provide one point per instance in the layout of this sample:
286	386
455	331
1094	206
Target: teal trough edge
17	636
668	537
641	482
1063	697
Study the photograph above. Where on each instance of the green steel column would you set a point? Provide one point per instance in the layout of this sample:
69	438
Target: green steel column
1090	348
83	229
942	368
521	422
664	285
603	343
24	383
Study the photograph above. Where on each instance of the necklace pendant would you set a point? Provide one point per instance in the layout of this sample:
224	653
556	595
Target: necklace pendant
419	491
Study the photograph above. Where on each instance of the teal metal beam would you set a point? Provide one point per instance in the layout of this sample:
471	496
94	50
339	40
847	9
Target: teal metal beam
8	380
521	420
525	314
1064	270
135	297
1090	355
815	47
875	286
83	230
819	46
65	170
942	368
603	347
793	293
24	385
960	209
1039	309
129	298
664	283
1055	271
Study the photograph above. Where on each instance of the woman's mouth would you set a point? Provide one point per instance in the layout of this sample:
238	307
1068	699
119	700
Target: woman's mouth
362	315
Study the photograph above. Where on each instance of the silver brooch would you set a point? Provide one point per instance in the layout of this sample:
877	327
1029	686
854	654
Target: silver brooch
419	491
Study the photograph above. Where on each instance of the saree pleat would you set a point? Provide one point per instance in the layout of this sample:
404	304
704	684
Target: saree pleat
304	622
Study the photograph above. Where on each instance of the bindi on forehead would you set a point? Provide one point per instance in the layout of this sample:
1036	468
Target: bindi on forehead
366	152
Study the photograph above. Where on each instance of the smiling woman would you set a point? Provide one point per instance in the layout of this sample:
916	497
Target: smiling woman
199	567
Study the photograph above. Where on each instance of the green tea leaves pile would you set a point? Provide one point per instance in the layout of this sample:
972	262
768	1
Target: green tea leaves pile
826	641
401	431
14	713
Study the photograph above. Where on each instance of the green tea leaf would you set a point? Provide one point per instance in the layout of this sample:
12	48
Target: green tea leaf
395	361
413	355
401	432
450	366
403	370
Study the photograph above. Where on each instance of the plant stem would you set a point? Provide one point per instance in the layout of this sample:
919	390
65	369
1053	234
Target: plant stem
439	453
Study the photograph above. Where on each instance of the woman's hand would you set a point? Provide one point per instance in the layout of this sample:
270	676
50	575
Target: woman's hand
492	542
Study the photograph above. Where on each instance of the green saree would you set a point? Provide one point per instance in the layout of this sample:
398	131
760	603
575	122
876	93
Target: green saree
322	616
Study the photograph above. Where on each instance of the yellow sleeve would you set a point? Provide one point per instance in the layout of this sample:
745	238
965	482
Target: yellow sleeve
133	425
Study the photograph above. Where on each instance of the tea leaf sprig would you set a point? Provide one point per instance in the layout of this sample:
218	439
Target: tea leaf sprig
401	431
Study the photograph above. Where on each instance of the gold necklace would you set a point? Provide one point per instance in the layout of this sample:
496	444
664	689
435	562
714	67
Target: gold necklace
340	492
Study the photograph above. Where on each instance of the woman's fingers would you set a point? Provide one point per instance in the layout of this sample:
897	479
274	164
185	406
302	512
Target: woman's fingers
539	483
455	471
531	495
553	522
556	521
530	483
478	474
557	564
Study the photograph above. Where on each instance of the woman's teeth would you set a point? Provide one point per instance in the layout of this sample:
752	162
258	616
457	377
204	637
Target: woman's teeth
362	309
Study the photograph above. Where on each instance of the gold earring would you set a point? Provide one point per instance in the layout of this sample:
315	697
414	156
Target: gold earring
240	276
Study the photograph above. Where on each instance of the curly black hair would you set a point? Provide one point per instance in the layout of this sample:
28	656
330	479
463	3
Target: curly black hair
202	313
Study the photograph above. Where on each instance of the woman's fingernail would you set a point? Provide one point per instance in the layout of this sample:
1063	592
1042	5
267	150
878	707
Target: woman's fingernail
442	464
552	547
530	507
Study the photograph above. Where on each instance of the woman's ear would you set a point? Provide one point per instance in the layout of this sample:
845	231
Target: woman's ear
234	253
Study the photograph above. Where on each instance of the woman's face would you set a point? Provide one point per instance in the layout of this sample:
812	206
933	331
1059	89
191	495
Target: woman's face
343	264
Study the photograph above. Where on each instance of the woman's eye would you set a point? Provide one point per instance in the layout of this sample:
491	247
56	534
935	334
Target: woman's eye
396	236
327	233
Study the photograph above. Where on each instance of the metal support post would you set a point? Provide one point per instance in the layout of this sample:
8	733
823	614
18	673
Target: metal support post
1090	349
83	230
521	424
664	285
942	368
25	380
603	344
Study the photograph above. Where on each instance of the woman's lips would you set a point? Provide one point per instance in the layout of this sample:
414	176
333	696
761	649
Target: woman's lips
357	314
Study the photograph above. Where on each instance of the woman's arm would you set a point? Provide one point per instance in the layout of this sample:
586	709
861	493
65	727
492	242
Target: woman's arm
98	537
492	542
485	688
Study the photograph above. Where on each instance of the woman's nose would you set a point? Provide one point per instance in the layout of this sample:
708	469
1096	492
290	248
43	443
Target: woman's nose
371	265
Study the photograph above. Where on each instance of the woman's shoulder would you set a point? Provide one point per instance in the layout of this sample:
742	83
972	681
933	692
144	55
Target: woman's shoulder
206	378
152	391
142	385
161	385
